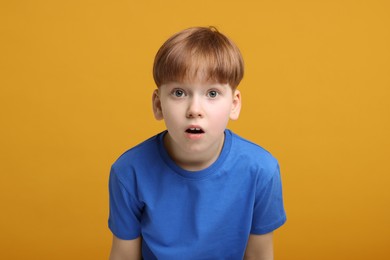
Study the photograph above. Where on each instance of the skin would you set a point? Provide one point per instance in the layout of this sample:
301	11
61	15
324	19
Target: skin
202	105
260	247
206	106
125	249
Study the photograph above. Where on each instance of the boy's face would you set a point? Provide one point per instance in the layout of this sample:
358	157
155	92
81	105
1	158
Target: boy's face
196	115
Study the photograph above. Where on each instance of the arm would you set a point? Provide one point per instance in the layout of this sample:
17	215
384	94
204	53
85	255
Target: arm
260	247
125	249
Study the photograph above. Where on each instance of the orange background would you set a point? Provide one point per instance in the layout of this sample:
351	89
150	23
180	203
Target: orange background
76	85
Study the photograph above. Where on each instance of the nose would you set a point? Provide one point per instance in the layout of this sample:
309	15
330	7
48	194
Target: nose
194	108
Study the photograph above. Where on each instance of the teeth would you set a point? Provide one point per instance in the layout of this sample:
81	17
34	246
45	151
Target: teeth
195	130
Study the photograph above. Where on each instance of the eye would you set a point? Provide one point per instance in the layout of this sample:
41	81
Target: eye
212	94
178	92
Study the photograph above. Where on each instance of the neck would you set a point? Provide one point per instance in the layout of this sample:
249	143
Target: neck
193	161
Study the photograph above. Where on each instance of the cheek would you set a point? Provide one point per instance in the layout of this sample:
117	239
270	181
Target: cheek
170	109
222	114
171	113
223	109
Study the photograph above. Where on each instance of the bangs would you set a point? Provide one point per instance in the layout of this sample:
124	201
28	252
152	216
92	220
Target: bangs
198	54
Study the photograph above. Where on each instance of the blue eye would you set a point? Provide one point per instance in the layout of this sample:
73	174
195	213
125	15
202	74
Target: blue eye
178	93
212	94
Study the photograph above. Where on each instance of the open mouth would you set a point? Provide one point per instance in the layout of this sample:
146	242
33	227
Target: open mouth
194	130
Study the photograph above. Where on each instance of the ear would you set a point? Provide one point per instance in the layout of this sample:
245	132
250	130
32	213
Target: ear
157	111
236	107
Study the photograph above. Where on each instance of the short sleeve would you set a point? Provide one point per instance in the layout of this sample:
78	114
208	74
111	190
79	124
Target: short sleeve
125	209
269	213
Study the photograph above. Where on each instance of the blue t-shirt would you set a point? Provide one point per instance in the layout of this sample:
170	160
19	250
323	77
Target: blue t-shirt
208	214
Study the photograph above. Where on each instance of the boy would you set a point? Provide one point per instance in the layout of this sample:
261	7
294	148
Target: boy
197	190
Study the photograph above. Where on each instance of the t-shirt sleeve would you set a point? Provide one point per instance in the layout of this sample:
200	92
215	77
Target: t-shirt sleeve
125	209
269	213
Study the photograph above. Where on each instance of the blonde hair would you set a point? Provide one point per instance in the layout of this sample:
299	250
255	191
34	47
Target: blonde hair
199	52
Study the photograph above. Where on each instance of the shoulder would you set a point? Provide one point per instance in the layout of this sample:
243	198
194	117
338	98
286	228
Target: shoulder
142	154
251	151
256	159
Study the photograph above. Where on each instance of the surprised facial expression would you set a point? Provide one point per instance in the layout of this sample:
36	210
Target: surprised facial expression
196	114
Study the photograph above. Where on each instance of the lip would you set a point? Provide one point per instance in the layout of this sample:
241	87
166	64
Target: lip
194	136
